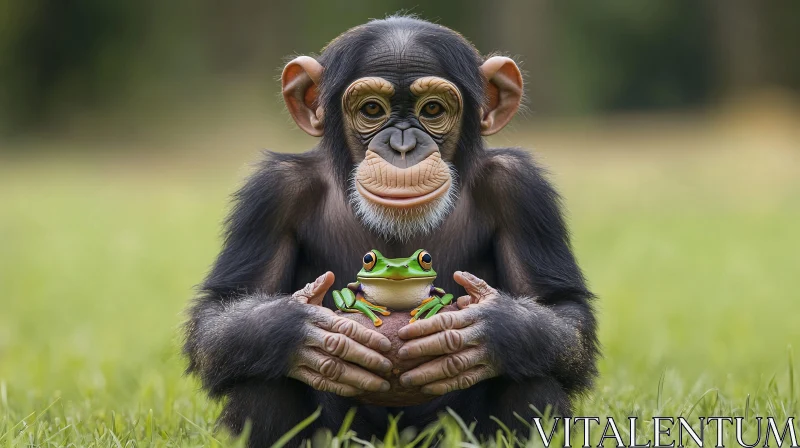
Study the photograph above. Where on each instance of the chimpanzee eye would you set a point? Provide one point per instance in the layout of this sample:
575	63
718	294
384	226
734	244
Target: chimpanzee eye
425	260
372	110
369	260
432	109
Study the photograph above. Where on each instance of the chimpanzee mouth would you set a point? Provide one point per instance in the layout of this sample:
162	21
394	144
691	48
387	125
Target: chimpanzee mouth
404	200
403	203
385	184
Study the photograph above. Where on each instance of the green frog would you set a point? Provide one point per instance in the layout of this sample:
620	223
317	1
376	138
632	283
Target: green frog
394	283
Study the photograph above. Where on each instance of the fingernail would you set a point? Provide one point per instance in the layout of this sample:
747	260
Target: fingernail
428	390
385	345
402	353
405	381
385	386
386	366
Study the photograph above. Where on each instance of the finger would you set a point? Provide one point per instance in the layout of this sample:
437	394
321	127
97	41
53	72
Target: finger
464	380
444	367
314	292
339	371
476	287
319	382
440	322
464	301
341	346
353	330
441	343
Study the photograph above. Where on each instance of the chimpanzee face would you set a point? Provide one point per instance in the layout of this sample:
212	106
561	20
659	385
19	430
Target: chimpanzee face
402	90
402	109
402	122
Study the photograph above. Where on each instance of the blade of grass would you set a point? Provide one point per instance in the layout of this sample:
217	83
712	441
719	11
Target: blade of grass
34	420
791	374
348	420
296	430
427	434
463	426
698	402
363	442
203	430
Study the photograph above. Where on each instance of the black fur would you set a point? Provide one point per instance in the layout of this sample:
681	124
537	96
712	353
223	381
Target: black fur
291	222
229	339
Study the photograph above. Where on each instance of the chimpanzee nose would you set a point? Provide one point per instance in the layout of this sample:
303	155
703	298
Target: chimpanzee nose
403	141
403	146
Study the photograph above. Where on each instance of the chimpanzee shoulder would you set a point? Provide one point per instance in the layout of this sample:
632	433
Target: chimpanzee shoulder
513	174
297	175
278	184
282	190
526	209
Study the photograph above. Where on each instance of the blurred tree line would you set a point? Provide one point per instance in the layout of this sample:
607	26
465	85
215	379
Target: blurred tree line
59	56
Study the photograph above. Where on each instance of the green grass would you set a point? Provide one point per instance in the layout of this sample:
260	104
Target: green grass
694	256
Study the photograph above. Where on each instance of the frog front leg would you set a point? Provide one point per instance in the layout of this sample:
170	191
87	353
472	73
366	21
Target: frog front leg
351	300
430	306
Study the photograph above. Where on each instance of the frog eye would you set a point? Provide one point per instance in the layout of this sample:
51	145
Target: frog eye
425	260
369	260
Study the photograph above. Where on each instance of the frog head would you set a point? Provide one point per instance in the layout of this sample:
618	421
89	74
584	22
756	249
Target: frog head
417	266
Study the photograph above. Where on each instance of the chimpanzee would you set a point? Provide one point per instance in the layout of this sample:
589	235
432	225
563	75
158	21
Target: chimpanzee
401	106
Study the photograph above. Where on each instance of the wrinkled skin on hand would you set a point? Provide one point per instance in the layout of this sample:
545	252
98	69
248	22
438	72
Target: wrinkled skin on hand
458	339
338	355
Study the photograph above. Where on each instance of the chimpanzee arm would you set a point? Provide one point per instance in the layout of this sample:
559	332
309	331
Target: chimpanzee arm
244	337
243	324
543	324
245	328
535	323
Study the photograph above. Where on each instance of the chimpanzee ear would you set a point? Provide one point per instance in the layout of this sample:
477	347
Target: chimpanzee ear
504	91
299	81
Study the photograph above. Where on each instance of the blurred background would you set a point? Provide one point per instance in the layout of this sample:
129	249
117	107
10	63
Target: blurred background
670	127
62	61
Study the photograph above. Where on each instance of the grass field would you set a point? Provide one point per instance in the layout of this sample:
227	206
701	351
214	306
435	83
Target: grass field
688	233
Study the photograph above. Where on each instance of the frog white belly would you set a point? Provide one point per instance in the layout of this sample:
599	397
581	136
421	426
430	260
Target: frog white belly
404	294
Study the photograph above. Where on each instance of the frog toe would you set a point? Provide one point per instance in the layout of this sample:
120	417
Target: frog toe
435	309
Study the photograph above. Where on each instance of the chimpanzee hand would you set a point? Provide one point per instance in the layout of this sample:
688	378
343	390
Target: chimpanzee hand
335	347
458	338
